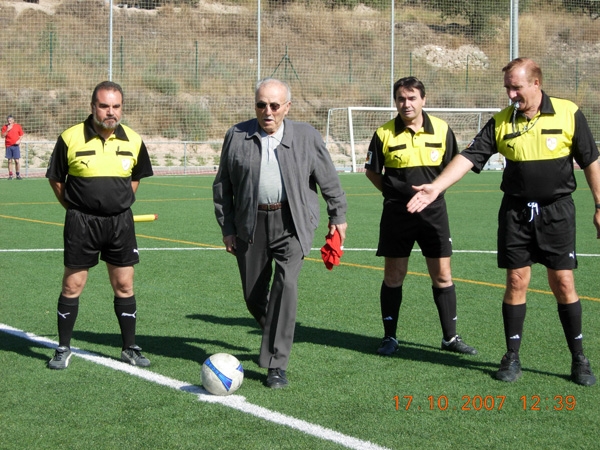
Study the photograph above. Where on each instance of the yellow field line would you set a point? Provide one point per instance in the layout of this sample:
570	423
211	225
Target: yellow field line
154	183
161	200
27	203
461	280
30	220
360	266
196	244
153	200
138	235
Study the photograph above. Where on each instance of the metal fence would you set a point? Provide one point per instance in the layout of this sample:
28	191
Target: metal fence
188	68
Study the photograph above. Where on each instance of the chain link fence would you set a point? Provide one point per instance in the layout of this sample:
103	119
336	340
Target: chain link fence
188	67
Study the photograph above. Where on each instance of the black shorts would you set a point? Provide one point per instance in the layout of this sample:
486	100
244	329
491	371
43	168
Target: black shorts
399	230
112	237
531	233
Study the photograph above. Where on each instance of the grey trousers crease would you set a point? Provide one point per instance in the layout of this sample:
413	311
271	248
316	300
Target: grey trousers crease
269	269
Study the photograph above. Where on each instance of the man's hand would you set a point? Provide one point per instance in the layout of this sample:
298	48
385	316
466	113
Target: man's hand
341	227
59	192
230	244
597	223
592	176
426	194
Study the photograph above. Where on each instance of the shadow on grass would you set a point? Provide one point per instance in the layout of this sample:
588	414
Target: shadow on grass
170	346
192	348
23	347
410	351
185	348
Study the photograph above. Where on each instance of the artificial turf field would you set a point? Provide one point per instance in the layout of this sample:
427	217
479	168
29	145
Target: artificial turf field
341	394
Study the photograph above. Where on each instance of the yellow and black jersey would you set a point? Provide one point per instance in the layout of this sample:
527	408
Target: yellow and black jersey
98	173
539	151
407	158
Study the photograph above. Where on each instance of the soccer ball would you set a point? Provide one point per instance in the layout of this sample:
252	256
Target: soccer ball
222	374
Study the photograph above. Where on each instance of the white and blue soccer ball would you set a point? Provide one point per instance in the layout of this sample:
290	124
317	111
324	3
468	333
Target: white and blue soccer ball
222	374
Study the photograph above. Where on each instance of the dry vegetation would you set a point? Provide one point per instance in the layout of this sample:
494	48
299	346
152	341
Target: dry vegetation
188	71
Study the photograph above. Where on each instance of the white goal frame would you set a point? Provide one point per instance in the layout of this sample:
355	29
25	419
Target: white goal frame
393	111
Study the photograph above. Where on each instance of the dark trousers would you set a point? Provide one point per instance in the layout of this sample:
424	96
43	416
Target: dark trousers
269	268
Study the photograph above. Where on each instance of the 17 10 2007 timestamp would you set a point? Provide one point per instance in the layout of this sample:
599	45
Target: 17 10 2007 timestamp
486	403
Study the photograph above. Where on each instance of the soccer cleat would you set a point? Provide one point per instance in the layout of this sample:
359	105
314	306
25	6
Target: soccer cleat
10	177
457	345
388	346
61	358
276	379
510	368
581	371
19	177
133	356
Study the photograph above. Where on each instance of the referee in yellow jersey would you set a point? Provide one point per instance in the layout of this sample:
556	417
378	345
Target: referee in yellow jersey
413	149
539	136
94	171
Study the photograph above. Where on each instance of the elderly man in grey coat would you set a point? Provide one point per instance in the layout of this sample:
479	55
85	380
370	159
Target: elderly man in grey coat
267	205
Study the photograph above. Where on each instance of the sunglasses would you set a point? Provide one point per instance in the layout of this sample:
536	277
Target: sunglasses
274	106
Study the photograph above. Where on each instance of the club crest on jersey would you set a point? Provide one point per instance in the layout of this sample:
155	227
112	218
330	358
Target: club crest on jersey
551	143
434	155
126	163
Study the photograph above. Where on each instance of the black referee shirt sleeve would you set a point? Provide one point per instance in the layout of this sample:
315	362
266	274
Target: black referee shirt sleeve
143	167
482	147
584	149
58	166
375	160
451	146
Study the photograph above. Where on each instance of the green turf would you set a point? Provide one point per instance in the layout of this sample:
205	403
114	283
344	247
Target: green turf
190	306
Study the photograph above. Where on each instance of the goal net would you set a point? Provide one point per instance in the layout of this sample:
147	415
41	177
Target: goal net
349	130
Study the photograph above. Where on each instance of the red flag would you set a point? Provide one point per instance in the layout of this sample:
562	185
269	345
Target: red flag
332	251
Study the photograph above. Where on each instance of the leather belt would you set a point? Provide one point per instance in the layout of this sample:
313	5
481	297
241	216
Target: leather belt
271	206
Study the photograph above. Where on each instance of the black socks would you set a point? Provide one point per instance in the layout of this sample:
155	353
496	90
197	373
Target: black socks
66	316
390	300
126	310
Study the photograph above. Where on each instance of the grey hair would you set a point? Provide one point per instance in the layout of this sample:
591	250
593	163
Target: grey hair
268	80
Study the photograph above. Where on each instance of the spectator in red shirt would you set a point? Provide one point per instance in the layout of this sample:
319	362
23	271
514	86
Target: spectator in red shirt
12	134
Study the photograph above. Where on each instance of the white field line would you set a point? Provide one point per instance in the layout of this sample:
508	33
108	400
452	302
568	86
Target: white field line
232	401
177	249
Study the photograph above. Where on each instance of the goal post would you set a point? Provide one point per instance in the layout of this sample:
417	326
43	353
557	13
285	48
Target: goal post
350	129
